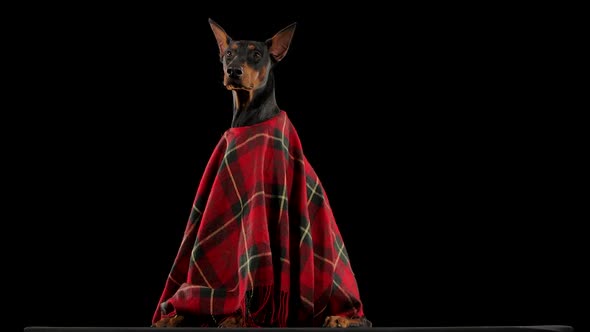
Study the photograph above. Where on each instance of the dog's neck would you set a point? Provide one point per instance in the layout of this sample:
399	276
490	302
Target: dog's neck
255	106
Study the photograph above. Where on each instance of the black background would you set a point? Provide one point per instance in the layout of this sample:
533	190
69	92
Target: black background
451	173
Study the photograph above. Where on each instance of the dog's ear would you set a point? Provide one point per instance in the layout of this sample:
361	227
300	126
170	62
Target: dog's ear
278	45
222	38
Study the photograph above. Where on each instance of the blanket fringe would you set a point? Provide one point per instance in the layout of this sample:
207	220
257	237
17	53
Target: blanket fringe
264	307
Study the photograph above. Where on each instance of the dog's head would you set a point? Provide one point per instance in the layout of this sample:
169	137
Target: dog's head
247	63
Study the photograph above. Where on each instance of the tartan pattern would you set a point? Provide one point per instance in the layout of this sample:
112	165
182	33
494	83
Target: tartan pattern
261	238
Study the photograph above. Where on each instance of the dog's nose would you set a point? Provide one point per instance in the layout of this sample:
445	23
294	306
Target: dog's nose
234	72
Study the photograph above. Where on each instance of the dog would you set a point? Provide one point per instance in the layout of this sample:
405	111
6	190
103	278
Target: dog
248	73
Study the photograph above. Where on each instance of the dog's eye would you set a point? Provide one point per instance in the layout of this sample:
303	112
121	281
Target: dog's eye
257	55
228	53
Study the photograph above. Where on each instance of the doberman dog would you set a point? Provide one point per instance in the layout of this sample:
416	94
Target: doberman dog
248	73
247	68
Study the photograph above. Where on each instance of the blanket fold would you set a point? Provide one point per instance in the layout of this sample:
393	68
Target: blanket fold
261	239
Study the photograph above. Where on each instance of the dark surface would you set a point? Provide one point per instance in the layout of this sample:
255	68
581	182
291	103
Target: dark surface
547	328
467	159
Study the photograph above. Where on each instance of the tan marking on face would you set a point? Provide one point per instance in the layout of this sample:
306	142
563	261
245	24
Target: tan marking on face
251	47
249	77
254	78
234	46
261	79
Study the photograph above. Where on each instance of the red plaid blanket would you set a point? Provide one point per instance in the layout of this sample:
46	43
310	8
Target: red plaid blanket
261	239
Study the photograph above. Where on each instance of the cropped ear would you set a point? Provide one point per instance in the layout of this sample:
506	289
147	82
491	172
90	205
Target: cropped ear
278	45
222	38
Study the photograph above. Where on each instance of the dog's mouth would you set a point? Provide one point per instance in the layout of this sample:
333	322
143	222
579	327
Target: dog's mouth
237	87
236	84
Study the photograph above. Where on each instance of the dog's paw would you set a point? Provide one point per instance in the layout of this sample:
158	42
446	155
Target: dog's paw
175	321
339	321
232	321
